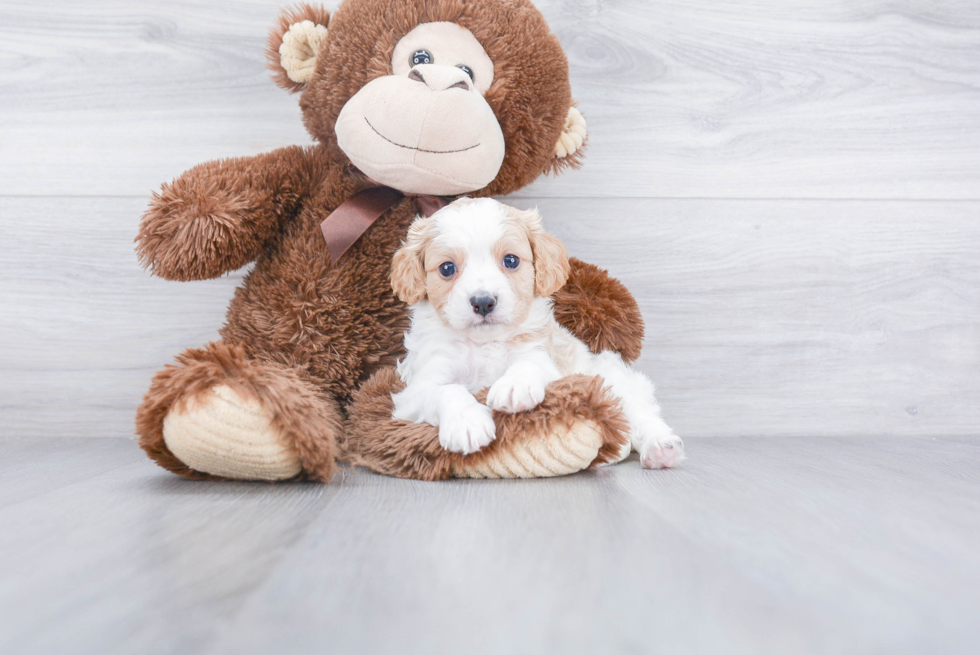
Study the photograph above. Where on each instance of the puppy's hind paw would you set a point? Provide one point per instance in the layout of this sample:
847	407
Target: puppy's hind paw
662	453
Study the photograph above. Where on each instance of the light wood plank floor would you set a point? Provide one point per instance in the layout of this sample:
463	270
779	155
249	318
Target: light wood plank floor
752	546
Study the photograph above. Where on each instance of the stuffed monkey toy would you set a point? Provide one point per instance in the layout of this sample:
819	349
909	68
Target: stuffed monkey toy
411	103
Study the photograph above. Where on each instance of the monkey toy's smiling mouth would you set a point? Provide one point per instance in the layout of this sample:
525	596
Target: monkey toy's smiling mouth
400	145
430	138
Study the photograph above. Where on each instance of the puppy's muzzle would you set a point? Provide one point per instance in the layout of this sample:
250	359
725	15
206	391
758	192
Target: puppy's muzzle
483	303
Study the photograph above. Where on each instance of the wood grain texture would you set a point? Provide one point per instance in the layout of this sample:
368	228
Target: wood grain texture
797	317
775	318
127	561
765	317
83	327
753	546
811	99
761	99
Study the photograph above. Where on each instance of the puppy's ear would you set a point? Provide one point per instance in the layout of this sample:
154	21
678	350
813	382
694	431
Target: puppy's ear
408	266
551	267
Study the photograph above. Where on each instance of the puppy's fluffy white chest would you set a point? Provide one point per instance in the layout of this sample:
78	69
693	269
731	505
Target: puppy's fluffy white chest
475	365
483	364
471	361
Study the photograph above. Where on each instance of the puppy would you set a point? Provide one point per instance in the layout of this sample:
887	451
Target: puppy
478	275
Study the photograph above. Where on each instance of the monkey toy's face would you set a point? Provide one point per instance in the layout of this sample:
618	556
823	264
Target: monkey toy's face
427	128
433	97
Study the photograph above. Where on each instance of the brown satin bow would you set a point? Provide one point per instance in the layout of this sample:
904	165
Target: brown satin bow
345	225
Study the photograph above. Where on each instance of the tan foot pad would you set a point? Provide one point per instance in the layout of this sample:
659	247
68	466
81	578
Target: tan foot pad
228	435
561	452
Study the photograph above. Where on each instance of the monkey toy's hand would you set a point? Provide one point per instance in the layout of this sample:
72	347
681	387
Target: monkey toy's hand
217	216
598	309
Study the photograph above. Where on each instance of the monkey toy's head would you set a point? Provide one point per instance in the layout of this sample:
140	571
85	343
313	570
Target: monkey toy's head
434	97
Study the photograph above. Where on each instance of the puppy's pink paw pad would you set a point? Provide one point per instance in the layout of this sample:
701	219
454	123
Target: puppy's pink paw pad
663	454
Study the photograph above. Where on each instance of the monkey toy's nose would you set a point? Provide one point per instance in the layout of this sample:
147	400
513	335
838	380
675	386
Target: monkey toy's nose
483	304
440	78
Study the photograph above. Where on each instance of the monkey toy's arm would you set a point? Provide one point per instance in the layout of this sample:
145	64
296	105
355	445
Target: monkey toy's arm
217	216
598	309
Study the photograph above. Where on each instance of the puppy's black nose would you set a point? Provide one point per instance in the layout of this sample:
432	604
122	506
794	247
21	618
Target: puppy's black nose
483	304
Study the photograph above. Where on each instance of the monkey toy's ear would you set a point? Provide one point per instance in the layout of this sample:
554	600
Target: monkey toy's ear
571	142
294	43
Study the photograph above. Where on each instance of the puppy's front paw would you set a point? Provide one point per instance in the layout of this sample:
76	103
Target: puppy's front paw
468	430
514	394
665	452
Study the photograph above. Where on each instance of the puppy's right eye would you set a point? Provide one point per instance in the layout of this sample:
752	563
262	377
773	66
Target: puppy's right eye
447	270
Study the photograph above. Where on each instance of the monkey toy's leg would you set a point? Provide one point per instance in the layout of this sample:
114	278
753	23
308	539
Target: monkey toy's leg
576	426
219	414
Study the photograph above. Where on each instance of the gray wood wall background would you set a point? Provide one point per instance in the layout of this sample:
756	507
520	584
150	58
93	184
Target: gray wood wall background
790	189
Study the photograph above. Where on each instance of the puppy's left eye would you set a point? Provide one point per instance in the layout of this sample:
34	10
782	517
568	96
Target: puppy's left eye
447	270
511	261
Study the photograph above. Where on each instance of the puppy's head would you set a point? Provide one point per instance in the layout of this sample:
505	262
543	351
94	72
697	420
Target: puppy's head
480	263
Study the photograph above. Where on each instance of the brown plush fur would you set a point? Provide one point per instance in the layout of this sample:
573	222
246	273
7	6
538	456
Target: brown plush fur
599	310
411	450
218	216
303	333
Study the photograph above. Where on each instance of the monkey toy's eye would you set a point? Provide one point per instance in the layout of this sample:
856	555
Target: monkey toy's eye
422	57
466	69
447	270
511	261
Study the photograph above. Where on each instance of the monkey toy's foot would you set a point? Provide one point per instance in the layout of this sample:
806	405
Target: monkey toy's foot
219	414
230	435
576	426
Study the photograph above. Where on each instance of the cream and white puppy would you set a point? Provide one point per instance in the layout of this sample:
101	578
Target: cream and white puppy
478	275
